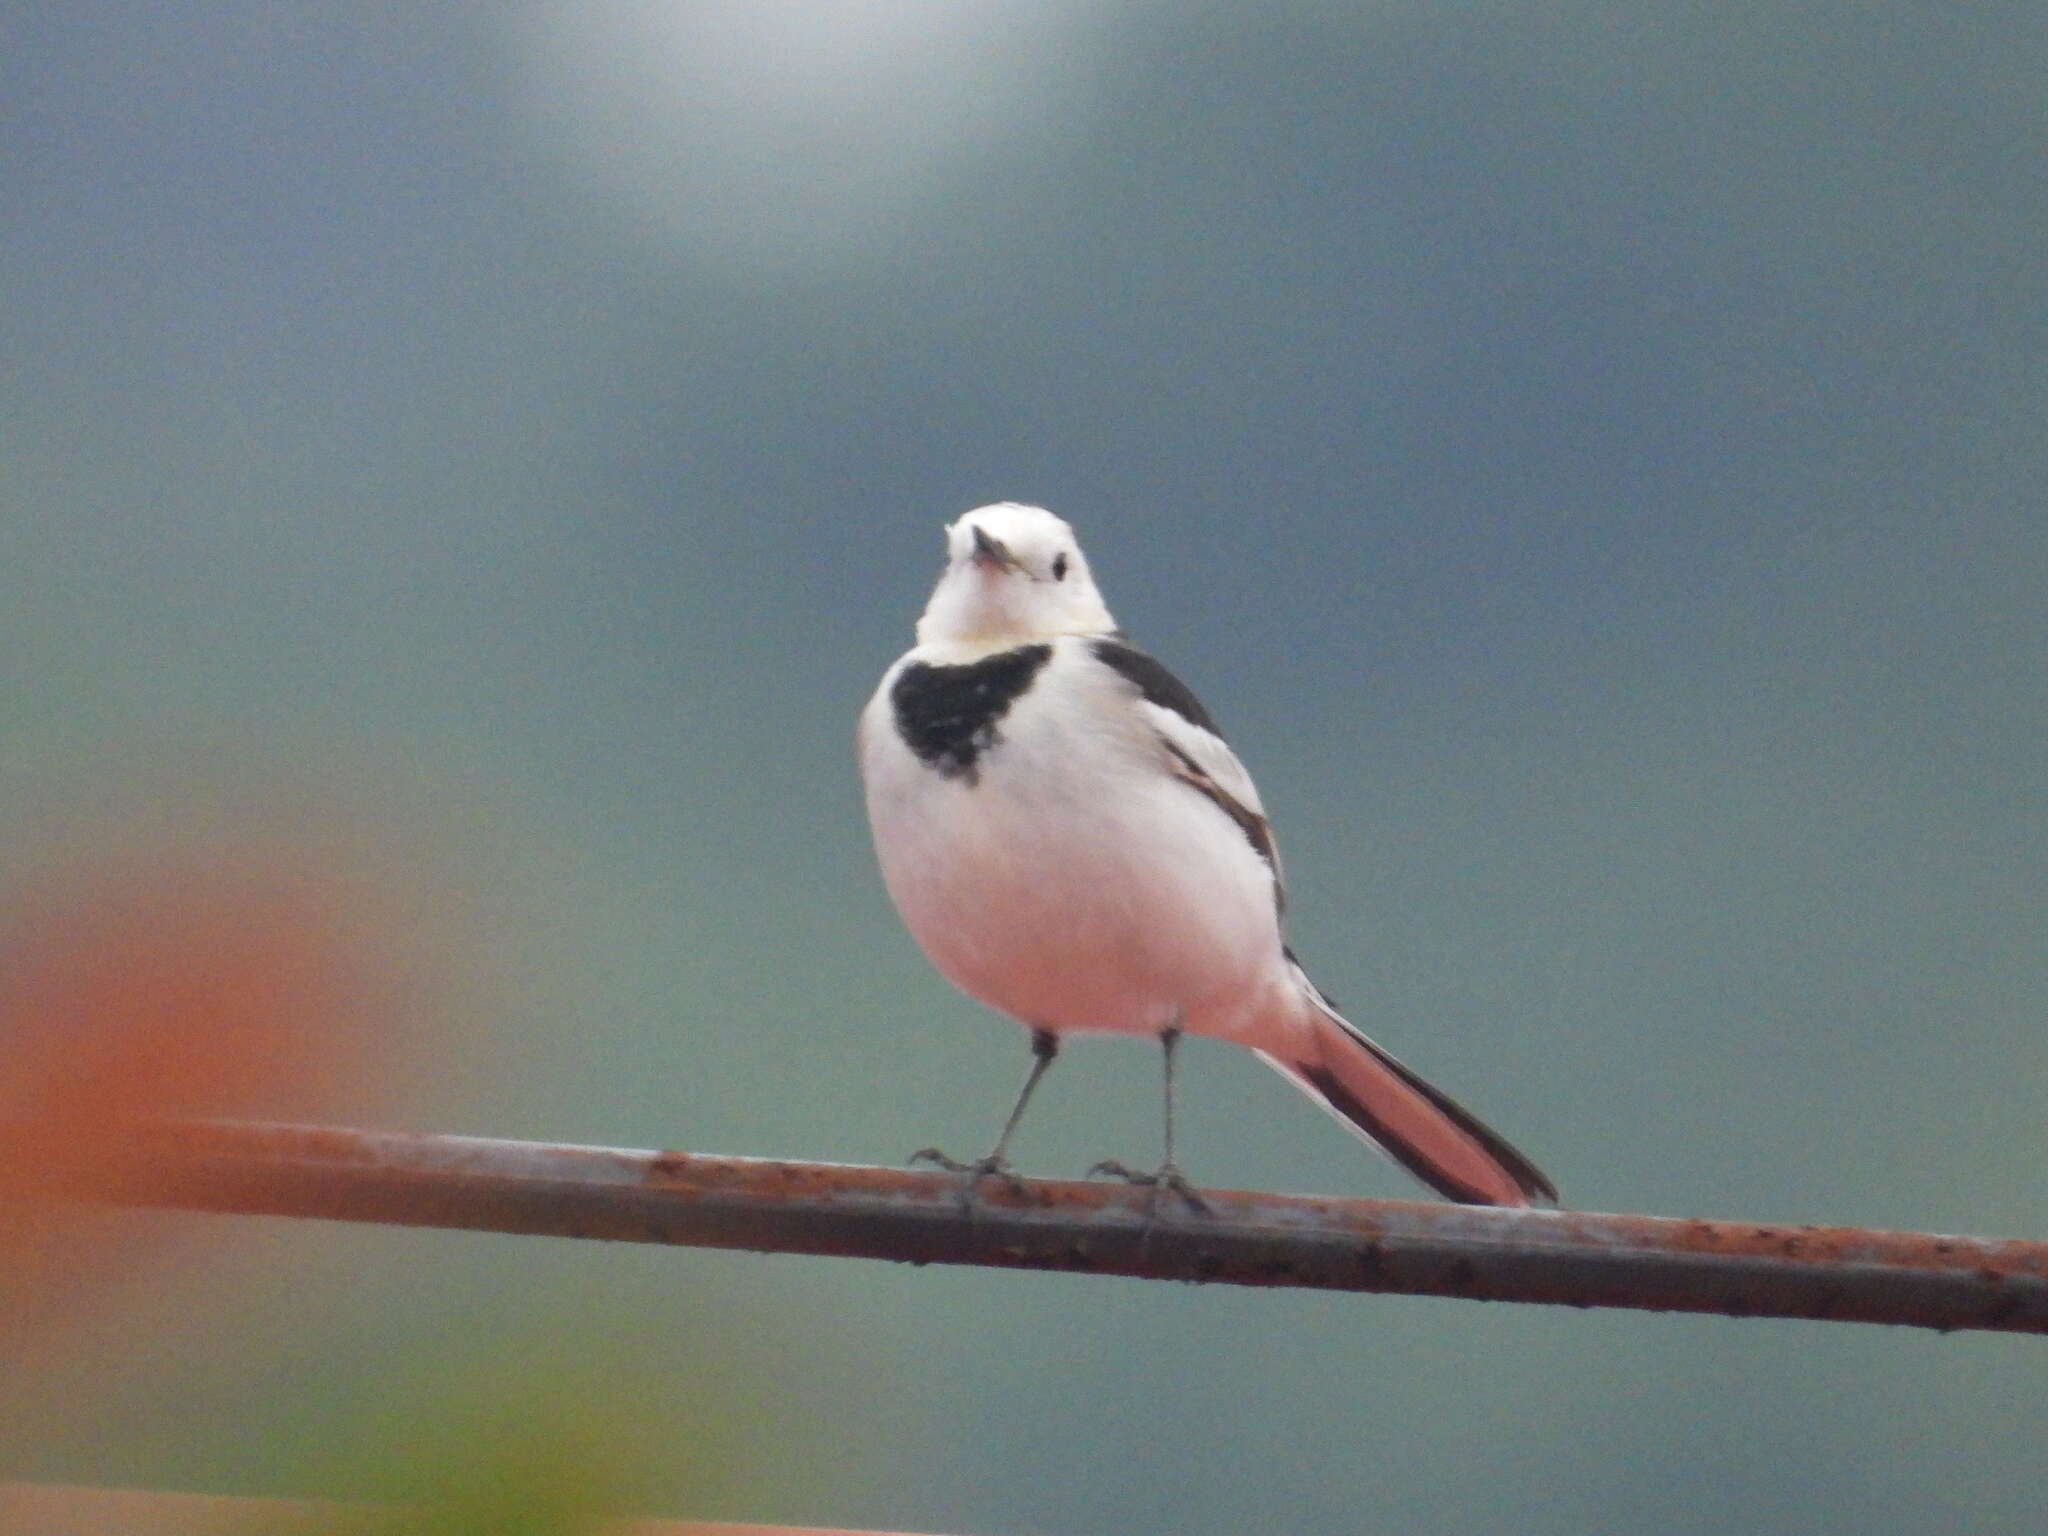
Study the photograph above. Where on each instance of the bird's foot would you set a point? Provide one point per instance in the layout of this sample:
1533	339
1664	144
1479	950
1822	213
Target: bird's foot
1165	1176
990	1167
1110	1168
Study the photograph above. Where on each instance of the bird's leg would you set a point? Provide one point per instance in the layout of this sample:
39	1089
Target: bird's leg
1168	1174
1044	1046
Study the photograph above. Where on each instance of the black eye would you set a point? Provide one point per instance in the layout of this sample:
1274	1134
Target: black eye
1059	567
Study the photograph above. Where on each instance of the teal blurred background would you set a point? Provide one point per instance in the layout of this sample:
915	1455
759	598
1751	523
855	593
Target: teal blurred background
1589	459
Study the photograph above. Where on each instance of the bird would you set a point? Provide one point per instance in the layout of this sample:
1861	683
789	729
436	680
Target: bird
1071	842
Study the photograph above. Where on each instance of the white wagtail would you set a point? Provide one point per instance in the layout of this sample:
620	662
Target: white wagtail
1071	842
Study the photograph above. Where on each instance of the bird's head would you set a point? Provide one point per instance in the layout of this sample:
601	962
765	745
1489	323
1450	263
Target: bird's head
1014	574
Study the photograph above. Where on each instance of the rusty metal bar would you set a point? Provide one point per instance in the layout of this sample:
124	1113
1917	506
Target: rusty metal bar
1569	1258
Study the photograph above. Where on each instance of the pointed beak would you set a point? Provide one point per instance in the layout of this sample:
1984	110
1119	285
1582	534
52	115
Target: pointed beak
991	554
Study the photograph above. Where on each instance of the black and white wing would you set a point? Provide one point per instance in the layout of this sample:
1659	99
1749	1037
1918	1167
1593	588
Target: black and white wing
1196	752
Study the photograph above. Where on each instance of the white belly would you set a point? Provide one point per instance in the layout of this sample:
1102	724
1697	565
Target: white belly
1076	885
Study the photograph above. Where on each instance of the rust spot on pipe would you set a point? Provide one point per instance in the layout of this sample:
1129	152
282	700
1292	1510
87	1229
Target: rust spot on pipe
669	1167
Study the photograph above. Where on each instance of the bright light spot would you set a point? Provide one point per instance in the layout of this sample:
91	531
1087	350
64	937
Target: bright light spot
797	133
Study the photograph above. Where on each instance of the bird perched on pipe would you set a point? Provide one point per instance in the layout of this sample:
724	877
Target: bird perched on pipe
1071	841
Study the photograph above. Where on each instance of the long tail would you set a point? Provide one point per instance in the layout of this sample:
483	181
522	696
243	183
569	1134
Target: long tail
1424	1130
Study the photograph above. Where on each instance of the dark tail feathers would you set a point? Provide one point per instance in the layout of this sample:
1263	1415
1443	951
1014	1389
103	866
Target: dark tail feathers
1419	1126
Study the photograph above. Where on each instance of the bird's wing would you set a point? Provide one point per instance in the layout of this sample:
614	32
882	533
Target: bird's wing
1195	750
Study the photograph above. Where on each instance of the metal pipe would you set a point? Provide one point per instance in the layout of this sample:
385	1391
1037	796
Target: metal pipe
1569	1258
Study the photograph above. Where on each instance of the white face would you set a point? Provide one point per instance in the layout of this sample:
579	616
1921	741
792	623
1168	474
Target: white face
1013	574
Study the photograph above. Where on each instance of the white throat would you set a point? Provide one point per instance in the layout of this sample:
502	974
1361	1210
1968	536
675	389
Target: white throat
1014	575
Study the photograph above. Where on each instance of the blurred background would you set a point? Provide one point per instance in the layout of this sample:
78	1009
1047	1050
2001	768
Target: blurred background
477	459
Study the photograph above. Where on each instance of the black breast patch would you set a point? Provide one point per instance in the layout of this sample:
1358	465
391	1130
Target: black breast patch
948	715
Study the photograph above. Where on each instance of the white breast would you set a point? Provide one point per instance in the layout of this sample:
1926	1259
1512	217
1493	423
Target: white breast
1074	884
